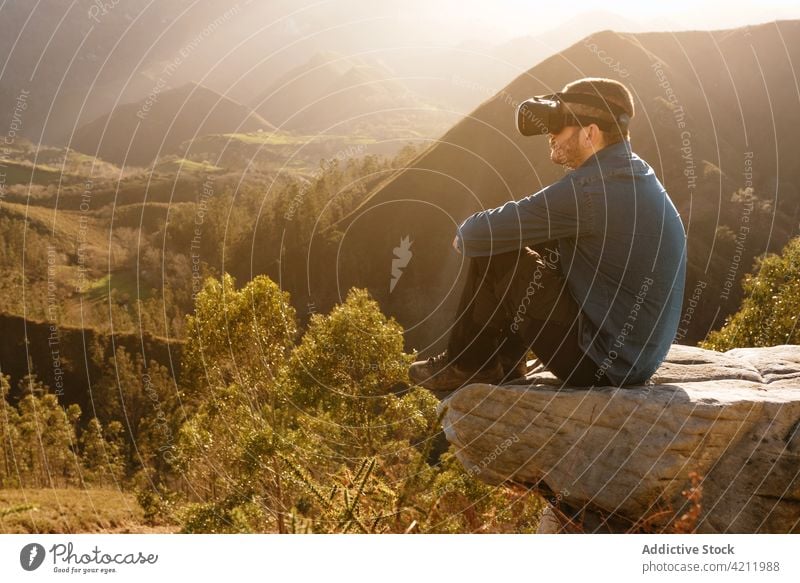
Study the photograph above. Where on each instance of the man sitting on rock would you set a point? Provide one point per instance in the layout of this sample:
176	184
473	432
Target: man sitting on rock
588	273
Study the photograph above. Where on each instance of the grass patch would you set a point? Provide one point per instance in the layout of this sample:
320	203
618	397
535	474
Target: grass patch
287	139
177	165
72	510
17	172
123	282
62	225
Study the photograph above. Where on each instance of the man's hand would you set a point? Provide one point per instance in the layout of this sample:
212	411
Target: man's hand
455	244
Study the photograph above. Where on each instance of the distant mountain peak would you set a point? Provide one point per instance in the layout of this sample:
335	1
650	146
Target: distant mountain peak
136	133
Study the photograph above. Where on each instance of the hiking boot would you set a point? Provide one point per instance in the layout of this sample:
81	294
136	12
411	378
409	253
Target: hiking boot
439	375
514	370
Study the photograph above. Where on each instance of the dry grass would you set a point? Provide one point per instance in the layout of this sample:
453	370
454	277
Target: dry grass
74	511
63	225
687	522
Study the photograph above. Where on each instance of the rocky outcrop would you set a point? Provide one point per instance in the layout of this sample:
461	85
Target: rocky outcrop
621	459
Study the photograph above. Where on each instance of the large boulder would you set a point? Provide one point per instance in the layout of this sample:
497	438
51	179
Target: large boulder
711	443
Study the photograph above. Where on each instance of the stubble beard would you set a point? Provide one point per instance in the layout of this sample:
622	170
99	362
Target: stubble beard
567	153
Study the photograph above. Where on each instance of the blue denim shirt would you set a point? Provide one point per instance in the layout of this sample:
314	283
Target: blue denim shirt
623	251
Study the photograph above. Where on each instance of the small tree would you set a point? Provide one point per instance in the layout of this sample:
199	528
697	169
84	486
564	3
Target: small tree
238	336
143	400
346	365
38	446
230	450
102	453
9	438
47	445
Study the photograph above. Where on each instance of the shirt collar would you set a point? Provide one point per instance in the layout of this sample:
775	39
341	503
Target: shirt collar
619	150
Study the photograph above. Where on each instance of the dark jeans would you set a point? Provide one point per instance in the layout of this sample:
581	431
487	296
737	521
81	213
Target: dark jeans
516	301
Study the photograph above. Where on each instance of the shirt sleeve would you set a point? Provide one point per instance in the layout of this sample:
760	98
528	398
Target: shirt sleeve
561	210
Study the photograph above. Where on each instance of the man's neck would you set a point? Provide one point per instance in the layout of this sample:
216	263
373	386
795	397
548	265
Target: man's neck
581	161
598	151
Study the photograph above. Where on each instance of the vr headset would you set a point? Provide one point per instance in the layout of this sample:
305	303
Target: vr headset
549	114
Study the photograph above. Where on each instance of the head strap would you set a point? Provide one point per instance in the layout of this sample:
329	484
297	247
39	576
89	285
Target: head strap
592	101
620	121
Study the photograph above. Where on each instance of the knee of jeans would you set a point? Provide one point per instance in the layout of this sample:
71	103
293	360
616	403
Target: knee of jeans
480	263
512	264
496	267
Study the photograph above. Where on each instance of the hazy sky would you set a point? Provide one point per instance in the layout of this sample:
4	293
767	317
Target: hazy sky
503	19
692	14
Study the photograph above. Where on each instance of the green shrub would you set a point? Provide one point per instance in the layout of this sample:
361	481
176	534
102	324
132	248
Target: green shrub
771	306
325	435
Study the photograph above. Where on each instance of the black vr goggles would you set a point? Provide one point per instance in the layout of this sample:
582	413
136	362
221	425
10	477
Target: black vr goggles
549	114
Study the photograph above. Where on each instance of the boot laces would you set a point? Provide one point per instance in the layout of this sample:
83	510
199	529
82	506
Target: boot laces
438	359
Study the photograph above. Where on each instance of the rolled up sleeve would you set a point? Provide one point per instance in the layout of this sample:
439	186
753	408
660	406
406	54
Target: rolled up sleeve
560	210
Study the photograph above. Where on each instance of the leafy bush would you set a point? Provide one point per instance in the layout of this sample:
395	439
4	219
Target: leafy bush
324	435
769	312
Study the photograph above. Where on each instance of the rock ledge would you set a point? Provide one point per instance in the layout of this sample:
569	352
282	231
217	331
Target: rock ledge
618	459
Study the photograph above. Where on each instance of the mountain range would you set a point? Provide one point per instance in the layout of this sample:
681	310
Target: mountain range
136	133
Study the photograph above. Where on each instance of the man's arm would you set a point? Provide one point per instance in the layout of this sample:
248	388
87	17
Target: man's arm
561	210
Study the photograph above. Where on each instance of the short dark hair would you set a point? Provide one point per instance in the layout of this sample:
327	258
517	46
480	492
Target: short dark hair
612	92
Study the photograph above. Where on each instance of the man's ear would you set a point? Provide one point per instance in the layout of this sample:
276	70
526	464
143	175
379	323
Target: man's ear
594	136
